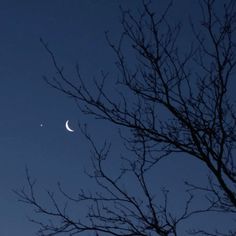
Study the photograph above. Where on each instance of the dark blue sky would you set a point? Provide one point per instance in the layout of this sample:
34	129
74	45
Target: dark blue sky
74	30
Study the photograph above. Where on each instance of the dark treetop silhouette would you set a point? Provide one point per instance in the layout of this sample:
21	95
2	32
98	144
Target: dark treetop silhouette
168	101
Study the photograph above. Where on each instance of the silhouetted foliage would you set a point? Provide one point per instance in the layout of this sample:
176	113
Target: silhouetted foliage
191	90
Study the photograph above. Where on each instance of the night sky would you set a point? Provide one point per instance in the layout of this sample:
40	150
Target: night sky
33	115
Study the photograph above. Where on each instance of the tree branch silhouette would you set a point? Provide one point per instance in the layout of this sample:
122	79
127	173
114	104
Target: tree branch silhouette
191	87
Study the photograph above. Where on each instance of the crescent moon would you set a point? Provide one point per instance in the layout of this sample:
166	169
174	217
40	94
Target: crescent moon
68	127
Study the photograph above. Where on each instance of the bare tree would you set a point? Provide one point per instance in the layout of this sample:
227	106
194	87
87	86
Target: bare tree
192	90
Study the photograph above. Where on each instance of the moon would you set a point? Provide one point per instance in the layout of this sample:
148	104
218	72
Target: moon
68	127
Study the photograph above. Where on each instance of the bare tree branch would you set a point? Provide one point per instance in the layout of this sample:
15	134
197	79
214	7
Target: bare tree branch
191	88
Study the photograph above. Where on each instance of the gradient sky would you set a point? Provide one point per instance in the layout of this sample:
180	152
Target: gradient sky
74	30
